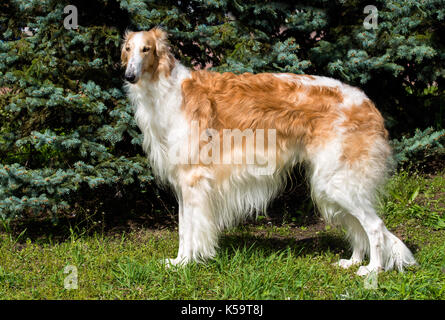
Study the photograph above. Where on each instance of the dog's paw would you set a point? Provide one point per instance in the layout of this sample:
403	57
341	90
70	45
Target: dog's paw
366	270
346	263
174	262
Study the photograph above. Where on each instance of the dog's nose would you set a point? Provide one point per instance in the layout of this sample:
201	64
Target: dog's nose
130	78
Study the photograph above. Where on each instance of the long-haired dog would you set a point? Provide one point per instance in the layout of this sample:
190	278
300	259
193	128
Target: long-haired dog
276	120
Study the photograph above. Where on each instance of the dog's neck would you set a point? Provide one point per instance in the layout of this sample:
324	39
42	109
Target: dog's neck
159	98
158	114
163	84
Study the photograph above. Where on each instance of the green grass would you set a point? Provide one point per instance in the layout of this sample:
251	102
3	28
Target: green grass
255	261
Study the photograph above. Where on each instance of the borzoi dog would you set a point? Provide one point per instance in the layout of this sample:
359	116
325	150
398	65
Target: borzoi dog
189	120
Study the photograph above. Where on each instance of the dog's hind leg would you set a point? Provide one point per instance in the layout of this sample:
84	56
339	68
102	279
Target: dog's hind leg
386	251
336	216
358	240
345	194
352	209
365	229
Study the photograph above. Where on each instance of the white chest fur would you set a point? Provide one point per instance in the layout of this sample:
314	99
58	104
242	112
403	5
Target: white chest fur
158	114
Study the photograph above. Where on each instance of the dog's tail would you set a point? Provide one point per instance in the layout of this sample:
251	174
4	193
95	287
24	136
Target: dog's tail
396	254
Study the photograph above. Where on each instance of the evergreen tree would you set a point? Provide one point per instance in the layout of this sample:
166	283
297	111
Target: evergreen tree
67	129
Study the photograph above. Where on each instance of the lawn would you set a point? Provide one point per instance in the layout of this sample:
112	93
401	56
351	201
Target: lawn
265	259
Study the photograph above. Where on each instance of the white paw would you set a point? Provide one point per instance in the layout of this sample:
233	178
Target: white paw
174	262
365	270
346	263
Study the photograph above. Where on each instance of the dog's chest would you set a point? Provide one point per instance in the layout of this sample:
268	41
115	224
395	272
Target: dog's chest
164	128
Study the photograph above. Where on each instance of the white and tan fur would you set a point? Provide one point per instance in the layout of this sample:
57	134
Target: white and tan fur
330	127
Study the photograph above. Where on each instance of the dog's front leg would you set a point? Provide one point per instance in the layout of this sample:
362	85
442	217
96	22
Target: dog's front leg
198	232
181	258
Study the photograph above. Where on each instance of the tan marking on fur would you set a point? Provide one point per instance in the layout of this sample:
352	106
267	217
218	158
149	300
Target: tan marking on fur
163	60
194	179
124	53
364	125
301	115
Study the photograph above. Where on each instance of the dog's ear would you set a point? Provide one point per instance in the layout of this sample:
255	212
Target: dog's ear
166	60
124	54
161	45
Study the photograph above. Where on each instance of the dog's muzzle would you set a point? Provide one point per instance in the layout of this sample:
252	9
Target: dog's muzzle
130	77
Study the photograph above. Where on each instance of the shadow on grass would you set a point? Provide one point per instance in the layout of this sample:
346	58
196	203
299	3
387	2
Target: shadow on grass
315	244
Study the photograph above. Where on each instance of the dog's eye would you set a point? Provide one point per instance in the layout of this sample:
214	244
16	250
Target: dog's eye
127	48
145	49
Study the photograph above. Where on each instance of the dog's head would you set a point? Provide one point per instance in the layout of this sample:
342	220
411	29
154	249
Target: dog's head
146	53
